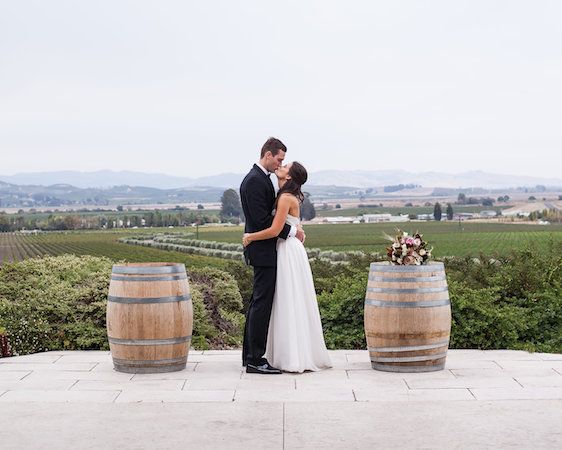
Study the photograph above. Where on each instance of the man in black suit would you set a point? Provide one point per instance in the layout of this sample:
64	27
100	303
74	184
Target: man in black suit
258	200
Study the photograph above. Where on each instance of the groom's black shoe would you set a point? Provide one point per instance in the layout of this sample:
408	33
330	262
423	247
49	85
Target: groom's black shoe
264	369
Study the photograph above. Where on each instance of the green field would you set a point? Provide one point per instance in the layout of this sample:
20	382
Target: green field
448	239
395	210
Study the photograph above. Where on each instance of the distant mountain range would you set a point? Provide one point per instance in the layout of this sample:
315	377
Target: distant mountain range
342	178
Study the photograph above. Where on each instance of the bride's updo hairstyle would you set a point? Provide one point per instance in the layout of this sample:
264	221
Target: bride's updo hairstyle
293	185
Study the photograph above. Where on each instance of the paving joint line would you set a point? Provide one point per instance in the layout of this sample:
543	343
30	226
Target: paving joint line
3	393
234	396
283	425
453	373
58	359
407	385
498	364
295	380
73	384
517	381
95	365
118	395
471	393
26	375
183	385
354	396
559	373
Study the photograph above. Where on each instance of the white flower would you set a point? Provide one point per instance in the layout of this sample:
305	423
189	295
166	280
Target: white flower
399	261
422	252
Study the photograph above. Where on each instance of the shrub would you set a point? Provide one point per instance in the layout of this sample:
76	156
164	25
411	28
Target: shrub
341	310
59	303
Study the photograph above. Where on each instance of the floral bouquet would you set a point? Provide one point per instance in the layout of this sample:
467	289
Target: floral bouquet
407	250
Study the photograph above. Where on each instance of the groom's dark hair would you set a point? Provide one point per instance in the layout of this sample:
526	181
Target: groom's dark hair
274	146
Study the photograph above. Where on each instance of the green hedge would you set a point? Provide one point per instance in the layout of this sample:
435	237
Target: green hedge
512	303
515	302
59	303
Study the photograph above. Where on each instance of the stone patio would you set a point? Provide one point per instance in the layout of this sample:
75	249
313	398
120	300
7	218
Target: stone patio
484	399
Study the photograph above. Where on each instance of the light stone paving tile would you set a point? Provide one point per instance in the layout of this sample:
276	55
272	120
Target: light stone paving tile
539	364
75	367
36	358
528	393
141	385
217	358
215	383
14	376
134	426
373	379
88	357
366	365
339	360
108	368
223	352
362	357
91	376
550	356
510	355
497	372
553	381
206	396
219	367
59	396
465	382
424	425
37	384
323	379
271	382
179	375
466	354
440	374
452	364
371	395
294	395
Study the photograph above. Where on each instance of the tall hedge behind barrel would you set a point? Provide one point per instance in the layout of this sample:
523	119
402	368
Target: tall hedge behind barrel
59	303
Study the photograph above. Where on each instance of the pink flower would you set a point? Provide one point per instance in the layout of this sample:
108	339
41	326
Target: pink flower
409	241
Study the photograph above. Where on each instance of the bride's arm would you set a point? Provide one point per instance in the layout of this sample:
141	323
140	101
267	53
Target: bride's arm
283	206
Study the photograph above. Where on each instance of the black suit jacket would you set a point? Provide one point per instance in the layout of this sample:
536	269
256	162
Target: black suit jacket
258	199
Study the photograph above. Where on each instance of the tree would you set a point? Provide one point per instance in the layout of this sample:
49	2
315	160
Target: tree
461	200
230	204
308	212
449	211
200	206
437	213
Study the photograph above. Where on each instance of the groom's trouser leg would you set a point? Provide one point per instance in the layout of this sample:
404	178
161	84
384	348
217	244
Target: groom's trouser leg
258	315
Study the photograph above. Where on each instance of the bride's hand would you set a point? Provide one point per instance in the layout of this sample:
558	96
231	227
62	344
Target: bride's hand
246	240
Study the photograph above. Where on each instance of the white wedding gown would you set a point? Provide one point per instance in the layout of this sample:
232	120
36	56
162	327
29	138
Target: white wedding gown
295	341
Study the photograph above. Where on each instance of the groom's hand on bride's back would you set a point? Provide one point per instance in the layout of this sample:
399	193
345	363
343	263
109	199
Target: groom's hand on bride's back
300	234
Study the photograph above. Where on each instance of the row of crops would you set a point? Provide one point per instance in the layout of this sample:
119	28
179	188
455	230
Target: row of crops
223	250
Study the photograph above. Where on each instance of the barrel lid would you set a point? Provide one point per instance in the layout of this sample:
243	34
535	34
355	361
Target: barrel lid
386	266
148	268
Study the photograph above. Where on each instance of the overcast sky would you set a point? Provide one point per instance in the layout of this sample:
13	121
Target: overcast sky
194	88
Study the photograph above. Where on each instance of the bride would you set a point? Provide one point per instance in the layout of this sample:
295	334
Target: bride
295	341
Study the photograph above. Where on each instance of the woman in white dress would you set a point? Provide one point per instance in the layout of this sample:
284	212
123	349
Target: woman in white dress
295	341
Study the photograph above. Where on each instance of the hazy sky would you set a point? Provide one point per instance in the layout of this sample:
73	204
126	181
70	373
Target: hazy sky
194	88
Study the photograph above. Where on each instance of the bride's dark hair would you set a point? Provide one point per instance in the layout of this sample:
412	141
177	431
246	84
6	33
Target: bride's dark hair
293	185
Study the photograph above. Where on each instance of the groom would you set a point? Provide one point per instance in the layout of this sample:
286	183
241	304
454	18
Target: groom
258	200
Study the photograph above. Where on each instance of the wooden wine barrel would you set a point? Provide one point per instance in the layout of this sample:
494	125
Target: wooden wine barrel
407	317
149	317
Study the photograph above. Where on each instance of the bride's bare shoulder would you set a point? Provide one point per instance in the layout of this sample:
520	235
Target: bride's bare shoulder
288	198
